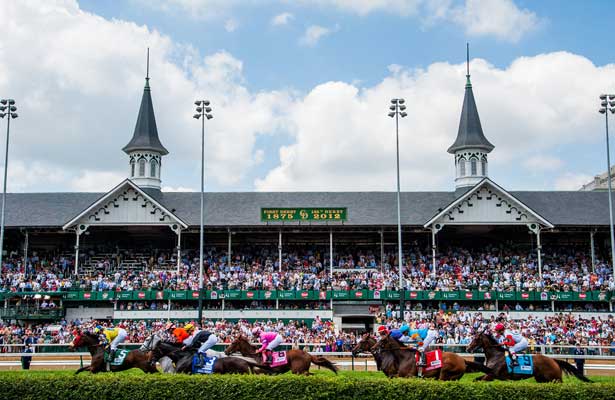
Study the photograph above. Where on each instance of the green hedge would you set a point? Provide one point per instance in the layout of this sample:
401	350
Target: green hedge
135	387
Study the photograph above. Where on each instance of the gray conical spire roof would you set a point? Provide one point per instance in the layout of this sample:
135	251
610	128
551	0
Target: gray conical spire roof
470	134
145	136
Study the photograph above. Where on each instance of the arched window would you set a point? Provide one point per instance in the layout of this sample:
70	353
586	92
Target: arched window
473	167
152	168
484	163
132	168
142	167
462	167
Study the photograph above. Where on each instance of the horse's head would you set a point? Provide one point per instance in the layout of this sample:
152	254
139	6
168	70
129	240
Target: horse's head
364	344
386	343
481	340
240	344
150	343
83	339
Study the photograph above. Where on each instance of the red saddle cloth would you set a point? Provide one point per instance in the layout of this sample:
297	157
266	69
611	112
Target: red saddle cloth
279	358
433	359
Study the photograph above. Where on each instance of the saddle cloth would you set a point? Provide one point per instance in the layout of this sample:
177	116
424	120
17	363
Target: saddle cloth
433	359
207	367
279	358
525	367
120	356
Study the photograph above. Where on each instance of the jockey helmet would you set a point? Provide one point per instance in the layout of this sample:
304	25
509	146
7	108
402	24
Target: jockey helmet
99	328
256	331
189	327
404	328
499	328
169	325
383	329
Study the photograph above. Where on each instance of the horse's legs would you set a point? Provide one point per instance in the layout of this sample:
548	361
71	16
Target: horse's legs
83	369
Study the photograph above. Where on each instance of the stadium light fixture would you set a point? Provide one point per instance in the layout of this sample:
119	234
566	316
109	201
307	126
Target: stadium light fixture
397	110
8	109
203	112
605	106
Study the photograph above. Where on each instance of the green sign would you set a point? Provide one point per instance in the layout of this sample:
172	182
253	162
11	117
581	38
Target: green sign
304	214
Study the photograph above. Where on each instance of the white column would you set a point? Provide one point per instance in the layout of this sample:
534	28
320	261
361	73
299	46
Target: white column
433	251
77	252
228	253
539	249
179	250
331	253
381	250
25	249
280	251
593	249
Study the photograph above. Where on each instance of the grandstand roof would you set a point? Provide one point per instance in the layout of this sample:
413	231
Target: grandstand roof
364	208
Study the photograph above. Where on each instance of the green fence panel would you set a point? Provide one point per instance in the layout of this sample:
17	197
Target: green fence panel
489	295
454	295
601	296
87	296
268	294
249	295
324	295
414	295
286	294
178	295
358	295
124	295
106	295
506	296
524	296
340	295
304	295
72	296
432	295
232	294
565	296
389	294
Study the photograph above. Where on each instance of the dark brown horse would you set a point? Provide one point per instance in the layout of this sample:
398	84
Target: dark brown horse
134	359
298	360
385	361
183	360
453	365
545	369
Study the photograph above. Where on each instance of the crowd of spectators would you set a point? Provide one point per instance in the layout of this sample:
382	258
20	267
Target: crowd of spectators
487	268
321	335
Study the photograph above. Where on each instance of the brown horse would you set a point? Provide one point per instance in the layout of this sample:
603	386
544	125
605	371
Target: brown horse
134	359
385	361
298	360
453	365
545	369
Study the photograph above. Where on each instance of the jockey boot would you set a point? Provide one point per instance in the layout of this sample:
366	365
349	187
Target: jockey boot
269	355
513	359
422	362
201	358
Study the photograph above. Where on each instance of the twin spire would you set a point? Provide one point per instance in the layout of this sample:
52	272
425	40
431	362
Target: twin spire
470	134
145	136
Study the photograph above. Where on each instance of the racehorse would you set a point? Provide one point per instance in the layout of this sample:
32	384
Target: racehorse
149	344
183	360
385	361
545	369
453	365
298	360
134	359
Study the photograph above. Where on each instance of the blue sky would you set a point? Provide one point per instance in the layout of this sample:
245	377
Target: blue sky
301	104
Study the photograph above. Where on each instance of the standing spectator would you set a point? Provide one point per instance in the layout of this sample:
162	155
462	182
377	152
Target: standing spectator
580	362
26	359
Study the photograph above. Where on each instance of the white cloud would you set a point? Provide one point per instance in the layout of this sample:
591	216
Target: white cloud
571	181
345	141
282	19
541	163
314	33
82	107
365	7
231	25
500	18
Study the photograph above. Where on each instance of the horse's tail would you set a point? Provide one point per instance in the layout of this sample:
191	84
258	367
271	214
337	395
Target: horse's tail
472	366
571	370
323	362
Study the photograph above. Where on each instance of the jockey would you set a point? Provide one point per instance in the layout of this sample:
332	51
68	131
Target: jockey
270	341
114	336
402	334
513	341
205	340
431	335
382	331
181	334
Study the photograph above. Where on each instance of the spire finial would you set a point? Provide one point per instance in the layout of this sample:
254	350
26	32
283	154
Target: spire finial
147	70
468	83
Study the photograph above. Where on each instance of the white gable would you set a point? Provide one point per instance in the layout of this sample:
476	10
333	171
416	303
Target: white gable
487	204
126	204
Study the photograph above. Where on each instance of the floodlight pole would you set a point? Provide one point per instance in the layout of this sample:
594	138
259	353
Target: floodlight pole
7	109
605	110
